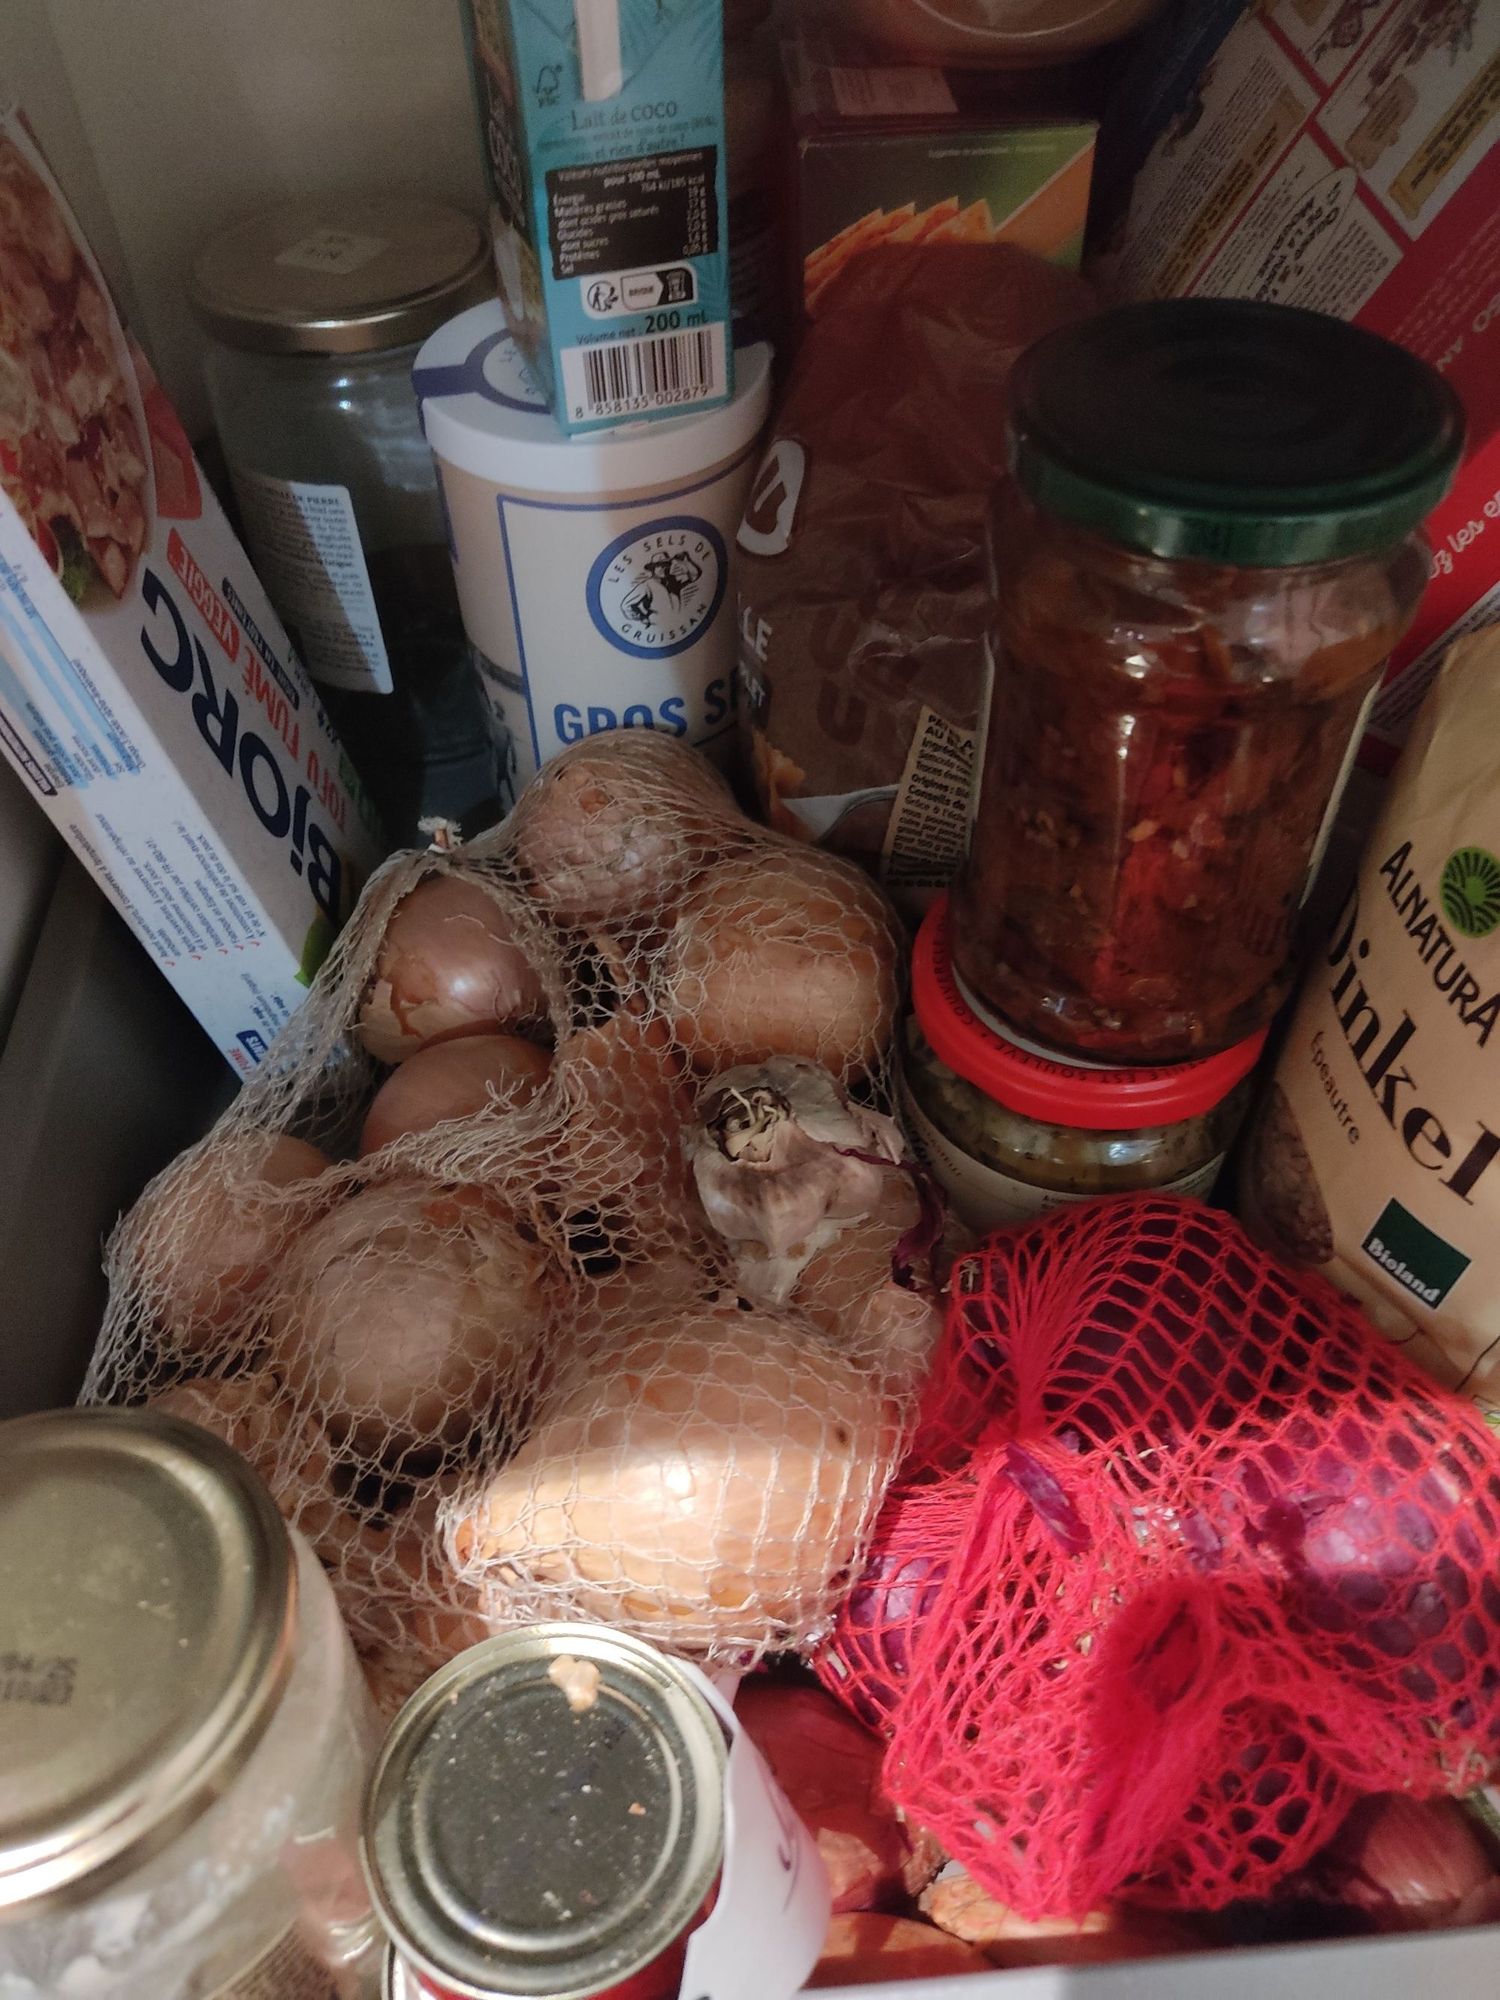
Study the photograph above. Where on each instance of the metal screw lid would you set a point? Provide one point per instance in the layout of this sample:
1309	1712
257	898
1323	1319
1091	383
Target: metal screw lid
531	1830
340	276
147	1611
1233	432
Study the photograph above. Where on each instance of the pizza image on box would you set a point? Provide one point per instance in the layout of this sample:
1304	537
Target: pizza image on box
73	454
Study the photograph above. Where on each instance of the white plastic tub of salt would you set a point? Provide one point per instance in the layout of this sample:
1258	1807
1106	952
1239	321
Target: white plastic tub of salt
594	572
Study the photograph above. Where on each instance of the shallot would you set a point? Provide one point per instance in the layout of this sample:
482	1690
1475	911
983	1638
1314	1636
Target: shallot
866	1949
706	1483
454	1080
450	964
217	1224
625	1107
253	1416
783	951
829	1769
617	826
957	1904
405	1314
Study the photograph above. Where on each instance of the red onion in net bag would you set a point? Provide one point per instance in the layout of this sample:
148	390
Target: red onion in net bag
1212	1559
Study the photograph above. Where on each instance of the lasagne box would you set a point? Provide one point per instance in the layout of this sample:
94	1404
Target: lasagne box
603	127
898	154
1340	155
148	696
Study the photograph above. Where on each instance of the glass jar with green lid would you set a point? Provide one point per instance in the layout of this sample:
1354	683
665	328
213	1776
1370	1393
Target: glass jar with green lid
1207	554
1010	1131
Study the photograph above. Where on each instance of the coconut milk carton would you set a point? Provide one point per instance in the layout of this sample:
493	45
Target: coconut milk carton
603	125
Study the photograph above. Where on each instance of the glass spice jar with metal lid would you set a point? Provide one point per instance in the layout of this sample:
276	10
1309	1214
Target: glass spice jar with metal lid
565	1813
316	309
184	1732
1011	1131
1207	553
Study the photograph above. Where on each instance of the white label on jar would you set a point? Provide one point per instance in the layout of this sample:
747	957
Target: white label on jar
288	1971
306	546
891	93
985	1197
336	251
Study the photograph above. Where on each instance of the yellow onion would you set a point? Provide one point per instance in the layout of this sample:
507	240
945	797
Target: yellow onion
625	1107
956	1903
449	965
865	1949
705	1483
454	1080
405	1314
214	1228
617	826
254	1416
829	1767
783	951
415	1604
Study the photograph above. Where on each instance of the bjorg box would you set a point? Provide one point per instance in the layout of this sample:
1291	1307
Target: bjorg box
603	124
148	696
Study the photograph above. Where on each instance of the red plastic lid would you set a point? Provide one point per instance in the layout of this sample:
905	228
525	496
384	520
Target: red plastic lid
1044	1087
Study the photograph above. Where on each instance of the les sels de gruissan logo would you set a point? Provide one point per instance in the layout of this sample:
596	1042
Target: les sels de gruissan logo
1470	890
654	589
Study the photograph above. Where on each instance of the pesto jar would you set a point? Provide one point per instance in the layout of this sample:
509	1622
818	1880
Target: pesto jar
1010	1130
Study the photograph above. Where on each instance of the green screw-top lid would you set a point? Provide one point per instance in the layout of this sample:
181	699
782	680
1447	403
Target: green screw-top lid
1233	432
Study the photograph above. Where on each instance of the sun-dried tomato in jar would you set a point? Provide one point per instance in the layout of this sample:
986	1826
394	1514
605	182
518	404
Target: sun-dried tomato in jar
1209	552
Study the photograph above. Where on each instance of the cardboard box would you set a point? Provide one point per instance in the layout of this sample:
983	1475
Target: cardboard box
603	124
889	154
1341	155
148	696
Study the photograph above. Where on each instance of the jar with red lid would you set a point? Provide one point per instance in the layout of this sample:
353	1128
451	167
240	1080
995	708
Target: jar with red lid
1010	1130
1206	555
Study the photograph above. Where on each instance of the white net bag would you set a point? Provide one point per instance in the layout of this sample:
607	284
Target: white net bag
562	1260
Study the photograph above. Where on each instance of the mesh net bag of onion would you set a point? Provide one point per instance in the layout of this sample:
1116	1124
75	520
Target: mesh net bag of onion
1184	1559
562	1259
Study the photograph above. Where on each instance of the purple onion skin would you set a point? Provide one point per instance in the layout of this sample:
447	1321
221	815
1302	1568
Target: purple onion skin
876	1631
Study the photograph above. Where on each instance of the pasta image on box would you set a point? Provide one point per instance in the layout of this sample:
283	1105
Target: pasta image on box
148	696
902	155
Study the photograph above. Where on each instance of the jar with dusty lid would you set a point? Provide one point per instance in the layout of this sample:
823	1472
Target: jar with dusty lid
183	1729
1011	1131
565	1813
316	310
1207	553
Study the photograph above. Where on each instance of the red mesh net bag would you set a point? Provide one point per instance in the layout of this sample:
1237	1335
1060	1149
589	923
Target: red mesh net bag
1184	1558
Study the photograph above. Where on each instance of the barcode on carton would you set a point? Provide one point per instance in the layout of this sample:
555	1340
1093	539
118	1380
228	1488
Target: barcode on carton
626	378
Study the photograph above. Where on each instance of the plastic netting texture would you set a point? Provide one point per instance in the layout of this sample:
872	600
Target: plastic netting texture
444	1273
1183	1560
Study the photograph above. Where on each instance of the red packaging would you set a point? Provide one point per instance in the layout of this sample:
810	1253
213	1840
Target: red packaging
1339	155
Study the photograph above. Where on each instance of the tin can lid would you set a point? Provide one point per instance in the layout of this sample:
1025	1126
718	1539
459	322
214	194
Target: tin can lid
1054	1089
546	1815
340	275
147	1608
484	413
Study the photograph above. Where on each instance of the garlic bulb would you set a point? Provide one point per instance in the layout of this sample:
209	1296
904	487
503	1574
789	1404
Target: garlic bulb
783	1161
